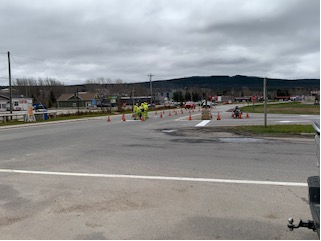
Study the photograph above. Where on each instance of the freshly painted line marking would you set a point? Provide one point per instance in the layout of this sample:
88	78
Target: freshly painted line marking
203	123
190	179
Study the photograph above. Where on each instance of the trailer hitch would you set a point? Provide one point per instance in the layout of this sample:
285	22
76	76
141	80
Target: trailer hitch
305	224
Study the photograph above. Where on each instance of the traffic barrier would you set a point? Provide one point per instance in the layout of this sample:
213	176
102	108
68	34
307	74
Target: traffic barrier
218	116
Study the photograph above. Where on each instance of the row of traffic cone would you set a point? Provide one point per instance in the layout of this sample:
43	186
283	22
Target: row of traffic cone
189	116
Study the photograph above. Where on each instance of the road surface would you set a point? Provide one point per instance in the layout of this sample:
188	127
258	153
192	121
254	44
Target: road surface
163	178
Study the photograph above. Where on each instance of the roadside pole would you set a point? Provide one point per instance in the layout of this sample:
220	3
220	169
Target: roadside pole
151	89
10	85
265	102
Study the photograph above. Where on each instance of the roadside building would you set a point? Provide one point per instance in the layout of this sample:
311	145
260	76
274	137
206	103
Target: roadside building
18	103
283	98
3	102
162	97
243	99
80	99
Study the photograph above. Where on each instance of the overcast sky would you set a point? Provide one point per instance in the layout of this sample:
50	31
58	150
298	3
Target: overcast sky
76	40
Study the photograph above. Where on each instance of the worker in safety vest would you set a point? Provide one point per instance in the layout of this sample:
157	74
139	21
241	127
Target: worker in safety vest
137	112
145	106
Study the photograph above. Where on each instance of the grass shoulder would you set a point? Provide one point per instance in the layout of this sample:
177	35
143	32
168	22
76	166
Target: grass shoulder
287	130
285	108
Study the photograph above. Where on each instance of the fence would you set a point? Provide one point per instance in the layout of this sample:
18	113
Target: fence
21	116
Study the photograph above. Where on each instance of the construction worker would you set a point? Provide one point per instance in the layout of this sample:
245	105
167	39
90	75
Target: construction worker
141	109
138	112
145	106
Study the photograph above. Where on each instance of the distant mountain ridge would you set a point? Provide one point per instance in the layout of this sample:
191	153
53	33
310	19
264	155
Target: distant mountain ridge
236	82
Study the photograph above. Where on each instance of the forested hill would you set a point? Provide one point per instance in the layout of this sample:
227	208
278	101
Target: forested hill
235	82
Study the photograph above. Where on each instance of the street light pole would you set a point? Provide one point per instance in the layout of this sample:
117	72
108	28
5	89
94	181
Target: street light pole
265	102
151	88
78	101
10	86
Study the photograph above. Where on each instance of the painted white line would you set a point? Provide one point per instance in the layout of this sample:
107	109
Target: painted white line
190	179
203	123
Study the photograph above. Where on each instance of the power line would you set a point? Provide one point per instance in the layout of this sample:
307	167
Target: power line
41	59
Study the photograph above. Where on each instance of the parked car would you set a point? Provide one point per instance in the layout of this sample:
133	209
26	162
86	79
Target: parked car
189	105
40	108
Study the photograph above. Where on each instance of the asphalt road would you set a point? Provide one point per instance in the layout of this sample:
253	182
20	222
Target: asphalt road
159	179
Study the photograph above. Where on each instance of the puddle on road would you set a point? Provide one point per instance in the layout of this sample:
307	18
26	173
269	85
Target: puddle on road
168	131
216	140
239	140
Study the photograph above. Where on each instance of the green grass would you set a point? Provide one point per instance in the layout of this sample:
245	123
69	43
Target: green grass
284	108
59	118
291	129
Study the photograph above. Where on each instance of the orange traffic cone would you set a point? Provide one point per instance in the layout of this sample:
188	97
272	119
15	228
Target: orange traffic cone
161	115
218	116
240	115
143	118
189	116
108	119
247	115
123	117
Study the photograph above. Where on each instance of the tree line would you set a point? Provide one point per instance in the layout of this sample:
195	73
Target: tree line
47	90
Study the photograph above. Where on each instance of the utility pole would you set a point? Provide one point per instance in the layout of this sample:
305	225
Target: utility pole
265	102
151	89
77	94
133	97
10	86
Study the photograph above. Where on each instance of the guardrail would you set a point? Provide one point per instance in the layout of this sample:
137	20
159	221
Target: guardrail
21	116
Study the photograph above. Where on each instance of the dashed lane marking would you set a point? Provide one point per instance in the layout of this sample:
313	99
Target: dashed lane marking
203	123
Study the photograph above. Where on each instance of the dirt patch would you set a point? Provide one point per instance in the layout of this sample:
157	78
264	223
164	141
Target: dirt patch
6	221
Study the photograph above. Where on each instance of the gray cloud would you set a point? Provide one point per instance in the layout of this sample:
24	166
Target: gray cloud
77	40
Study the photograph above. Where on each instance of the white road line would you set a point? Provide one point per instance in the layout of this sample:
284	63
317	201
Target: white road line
190	179
203	123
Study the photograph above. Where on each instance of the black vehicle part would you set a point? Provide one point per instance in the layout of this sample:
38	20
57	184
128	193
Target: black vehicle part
314	200
305	224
